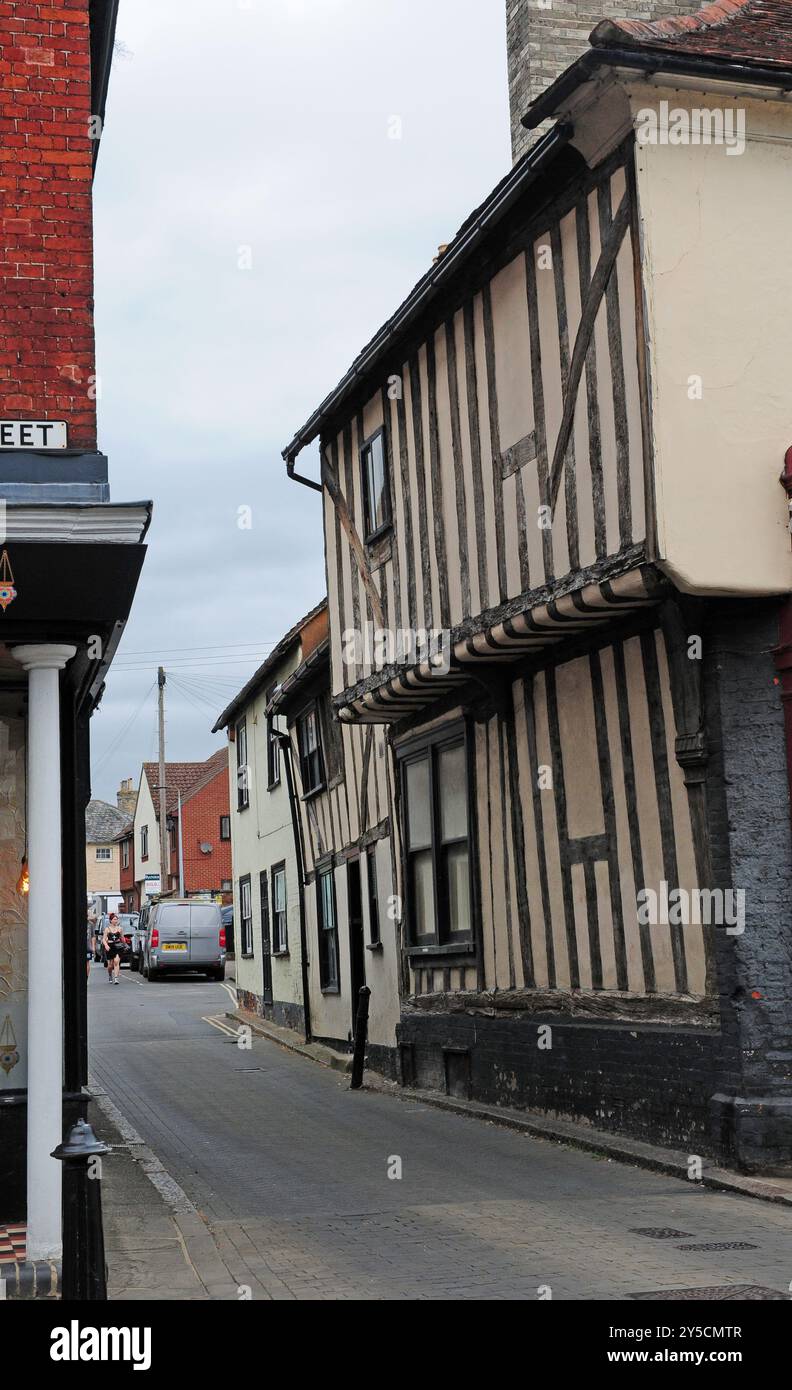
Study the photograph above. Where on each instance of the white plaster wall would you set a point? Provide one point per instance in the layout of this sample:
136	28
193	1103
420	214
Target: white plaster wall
717	273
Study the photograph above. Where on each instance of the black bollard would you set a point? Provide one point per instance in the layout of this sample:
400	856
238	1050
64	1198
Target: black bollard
361	1037
84	1277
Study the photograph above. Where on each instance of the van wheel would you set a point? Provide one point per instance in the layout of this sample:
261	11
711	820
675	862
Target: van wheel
217	974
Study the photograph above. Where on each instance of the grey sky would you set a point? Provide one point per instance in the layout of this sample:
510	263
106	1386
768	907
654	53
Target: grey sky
260	124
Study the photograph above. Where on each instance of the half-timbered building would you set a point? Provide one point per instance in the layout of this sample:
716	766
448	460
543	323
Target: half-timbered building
314	873
557	562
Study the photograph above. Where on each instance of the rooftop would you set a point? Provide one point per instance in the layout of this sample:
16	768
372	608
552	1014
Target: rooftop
104	823
749	31
258	678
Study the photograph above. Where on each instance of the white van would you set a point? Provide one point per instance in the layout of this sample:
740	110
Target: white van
184	934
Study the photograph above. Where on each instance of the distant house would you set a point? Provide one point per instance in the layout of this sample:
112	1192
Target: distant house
313	862
103	826
203	789
266	878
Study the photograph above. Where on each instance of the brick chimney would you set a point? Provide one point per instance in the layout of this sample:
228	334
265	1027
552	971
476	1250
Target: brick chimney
48	138
544	36
126	798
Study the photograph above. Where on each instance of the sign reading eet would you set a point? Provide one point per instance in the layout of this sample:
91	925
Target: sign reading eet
33	434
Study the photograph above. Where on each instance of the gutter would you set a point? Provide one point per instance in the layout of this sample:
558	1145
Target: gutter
103	17
782	654
648	62
286	748
497	205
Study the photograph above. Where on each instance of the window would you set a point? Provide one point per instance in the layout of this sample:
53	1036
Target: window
144	842
376	491
246	915
225	886
280	940
435	796
310	745
172	836
373	900
225	827
273	749
125	854
328	931
243	771
103	853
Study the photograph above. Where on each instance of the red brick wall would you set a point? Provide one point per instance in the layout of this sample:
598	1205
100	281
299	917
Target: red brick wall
46	262
128	874
201	814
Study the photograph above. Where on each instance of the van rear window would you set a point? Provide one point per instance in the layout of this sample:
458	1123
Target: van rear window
204	915
172	915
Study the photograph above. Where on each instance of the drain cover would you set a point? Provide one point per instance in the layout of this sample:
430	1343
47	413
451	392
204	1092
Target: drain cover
659	1232
720	1245
725	1292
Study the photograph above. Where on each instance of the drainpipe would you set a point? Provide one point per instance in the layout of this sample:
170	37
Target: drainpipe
782	654
181	851
284	743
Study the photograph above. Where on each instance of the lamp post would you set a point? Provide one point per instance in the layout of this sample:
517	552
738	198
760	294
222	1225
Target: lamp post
84	1278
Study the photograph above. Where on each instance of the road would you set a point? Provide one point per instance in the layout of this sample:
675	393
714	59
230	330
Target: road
289	1171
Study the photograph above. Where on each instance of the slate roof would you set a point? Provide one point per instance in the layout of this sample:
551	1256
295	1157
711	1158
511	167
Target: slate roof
748	31
105	823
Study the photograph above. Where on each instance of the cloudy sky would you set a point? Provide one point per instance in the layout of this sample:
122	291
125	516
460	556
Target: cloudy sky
258	133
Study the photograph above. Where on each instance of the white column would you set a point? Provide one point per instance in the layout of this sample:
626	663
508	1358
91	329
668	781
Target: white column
45	959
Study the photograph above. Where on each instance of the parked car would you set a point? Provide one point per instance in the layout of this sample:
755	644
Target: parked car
227	914
139	938
182	934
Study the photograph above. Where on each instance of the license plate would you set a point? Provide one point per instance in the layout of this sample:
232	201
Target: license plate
174	945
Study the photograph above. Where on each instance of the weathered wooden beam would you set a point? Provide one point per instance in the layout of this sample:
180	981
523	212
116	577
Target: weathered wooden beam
355	543
590	307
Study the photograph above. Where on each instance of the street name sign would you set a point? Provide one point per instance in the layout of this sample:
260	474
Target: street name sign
33	434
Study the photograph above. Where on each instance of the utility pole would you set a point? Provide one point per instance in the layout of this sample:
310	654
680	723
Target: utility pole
163	819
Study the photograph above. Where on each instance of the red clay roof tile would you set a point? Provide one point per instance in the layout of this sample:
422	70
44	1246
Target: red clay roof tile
745	31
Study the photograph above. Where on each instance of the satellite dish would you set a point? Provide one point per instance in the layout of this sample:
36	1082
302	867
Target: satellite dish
206	848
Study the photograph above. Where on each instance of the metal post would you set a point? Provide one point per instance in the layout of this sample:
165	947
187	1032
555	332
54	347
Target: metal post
181	851
84	1277
361	1037
163	808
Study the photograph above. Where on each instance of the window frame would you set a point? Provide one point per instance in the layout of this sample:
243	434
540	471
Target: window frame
144	846
125	854
273	747
225	838
327	985
240	736
428	748
374	534
279	947
311	709
245	937
372	896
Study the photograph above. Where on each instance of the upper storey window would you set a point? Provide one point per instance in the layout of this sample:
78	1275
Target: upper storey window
376	486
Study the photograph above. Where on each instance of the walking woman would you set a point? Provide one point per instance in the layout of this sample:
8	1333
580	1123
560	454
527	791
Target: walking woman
113	942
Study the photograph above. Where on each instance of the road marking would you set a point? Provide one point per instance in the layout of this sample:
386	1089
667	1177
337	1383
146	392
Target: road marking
167	1186
218	1022
231	992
